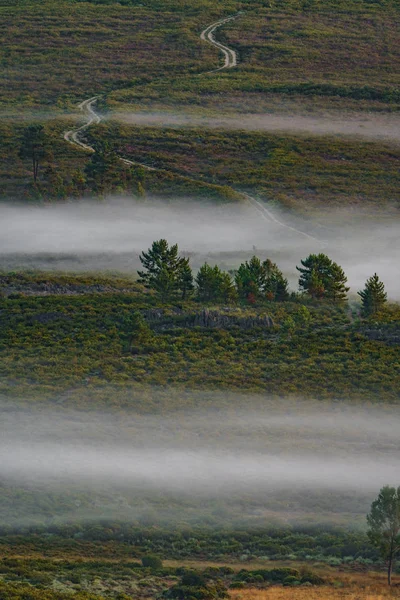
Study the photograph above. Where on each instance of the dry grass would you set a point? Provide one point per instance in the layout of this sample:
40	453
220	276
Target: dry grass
317	593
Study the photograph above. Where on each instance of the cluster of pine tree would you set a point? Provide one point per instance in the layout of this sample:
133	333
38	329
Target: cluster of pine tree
170	275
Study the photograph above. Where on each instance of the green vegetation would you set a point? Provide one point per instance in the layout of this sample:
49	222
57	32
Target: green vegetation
255	279
373	296
320	277
303	173
54	54
91	579
59	341
384	525
166	272
35	147
214	285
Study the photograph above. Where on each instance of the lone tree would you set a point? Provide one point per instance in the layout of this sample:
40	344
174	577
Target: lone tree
384	525
321	278
35	146
165	271
373	296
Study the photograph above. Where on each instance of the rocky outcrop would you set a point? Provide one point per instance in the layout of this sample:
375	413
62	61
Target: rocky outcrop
224	318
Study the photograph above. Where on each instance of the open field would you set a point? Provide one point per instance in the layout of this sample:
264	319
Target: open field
125	578
367	592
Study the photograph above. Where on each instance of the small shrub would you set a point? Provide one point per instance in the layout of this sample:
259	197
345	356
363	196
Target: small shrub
151	561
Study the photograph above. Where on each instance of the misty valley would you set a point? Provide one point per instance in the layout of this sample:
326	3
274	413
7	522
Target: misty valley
199	300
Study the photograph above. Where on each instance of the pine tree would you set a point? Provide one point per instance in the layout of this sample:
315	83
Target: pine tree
257	279
165	271
250	278
276	285
185	279
164	283
373	296
214	284
320	277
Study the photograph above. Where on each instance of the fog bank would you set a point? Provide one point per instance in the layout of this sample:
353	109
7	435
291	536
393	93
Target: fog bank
379	127
111	235
329	460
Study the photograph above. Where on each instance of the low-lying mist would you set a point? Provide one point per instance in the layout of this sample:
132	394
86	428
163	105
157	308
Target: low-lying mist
382	127
291	459
111	235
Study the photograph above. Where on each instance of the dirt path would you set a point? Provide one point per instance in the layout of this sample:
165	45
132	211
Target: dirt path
92	118
87	106
230	55
267	215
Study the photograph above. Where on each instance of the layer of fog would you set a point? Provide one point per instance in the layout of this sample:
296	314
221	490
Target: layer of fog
111	235
286	445
382	127
290	460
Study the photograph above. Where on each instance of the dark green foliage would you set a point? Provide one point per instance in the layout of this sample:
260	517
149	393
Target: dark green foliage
261	280
53	342
194	585
152	561
193	578
165	271
250	278
214	285
384	525
322	278
105	171
373	296
185	279
35	146
276	285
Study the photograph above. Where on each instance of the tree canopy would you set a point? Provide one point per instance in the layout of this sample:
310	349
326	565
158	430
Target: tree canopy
384	525
35	145
165	271
373	296
320	277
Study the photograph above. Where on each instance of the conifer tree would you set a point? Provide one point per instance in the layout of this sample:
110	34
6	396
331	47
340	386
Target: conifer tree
320	277
250	277
214	284
165	271
185	279
276	285
373	296
257	279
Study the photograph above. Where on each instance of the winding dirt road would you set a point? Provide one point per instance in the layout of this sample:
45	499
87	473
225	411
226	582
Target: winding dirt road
230	55
231	60
92	118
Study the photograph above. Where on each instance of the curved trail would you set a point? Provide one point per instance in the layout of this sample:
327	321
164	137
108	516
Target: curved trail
92	117
268	216
230	55
231	60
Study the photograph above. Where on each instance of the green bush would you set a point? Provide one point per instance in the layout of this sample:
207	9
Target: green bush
152	561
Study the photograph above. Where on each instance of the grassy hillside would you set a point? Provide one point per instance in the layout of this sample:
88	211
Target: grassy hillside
293	57
53	343
55	53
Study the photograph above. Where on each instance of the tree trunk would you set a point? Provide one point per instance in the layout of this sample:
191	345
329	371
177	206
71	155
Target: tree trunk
389	574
